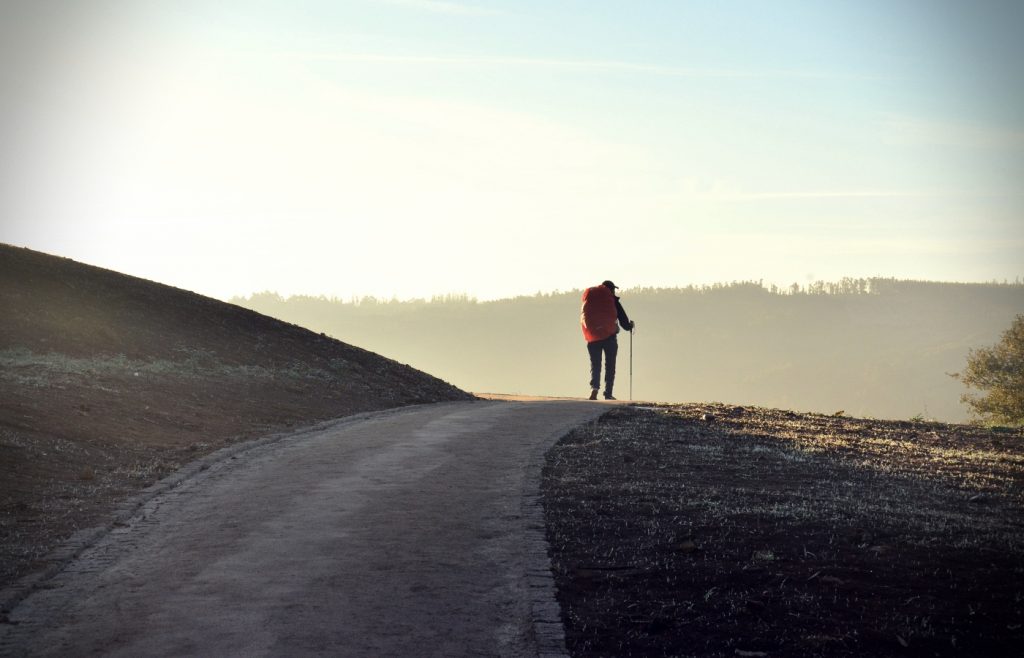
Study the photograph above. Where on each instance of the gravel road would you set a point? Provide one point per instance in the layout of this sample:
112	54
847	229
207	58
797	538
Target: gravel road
408	532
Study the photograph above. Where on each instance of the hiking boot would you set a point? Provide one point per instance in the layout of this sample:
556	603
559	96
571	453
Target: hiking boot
593	394
608	396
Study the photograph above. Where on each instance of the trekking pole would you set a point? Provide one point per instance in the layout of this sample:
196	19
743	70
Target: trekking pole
630	365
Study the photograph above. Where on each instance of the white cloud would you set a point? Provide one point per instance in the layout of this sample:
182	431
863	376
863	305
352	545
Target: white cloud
442	7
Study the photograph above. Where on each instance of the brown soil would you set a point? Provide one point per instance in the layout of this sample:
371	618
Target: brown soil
708	530
109	382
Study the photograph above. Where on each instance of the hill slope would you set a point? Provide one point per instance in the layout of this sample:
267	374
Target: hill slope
109	382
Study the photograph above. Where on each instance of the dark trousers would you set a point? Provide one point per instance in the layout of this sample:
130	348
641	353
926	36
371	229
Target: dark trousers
610	348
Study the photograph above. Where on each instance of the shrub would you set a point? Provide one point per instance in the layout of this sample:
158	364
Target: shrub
998	371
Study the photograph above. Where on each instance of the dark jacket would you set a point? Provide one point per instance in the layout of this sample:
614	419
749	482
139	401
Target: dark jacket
621	313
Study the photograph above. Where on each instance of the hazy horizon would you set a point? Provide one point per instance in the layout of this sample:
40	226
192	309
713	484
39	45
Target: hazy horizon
880	348
412	148
623	291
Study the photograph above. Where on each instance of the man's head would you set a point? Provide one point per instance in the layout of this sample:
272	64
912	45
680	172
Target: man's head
608	284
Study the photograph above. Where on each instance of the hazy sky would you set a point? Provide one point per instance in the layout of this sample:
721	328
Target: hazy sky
418	147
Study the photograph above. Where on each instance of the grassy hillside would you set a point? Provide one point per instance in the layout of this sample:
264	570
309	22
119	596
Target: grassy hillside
109	382
874	347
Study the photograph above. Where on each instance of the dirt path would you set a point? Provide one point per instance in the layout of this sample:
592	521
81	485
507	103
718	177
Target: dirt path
410	532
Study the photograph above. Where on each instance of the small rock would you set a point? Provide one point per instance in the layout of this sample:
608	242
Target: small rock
707	417
687	546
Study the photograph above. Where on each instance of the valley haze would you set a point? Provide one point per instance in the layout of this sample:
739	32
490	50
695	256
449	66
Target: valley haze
874	347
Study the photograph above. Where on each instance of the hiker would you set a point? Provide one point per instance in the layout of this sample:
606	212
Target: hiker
600	317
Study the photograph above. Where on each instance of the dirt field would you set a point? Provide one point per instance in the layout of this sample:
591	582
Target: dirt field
109	382
708	530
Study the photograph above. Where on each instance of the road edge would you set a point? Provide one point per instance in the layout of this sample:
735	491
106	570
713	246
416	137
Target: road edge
545	611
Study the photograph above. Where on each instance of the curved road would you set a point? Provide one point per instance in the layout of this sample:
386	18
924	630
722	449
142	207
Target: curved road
411	532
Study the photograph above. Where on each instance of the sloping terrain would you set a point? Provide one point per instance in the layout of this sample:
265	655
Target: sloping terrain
109	382
713	530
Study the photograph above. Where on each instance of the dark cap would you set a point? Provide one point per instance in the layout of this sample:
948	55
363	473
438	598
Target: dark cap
609	284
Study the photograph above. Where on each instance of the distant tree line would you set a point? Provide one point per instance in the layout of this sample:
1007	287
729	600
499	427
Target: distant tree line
871	346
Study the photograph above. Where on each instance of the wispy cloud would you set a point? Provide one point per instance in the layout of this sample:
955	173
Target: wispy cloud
929	132
601	66
442	7
842	194
724	191
867	195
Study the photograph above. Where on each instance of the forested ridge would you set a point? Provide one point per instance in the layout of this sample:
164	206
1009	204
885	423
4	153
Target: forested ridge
869	347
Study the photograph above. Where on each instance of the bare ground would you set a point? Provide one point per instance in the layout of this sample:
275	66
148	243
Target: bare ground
108	383
710	530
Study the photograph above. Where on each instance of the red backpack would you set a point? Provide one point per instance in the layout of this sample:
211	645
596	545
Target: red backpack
598	317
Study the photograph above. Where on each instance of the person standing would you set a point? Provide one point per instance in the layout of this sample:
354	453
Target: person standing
600	318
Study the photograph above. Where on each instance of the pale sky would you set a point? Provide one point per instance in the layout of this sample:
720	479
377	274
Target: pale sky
410	148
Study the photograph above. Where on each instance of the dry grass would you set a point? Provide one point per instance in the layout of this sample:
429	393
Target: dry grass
711	530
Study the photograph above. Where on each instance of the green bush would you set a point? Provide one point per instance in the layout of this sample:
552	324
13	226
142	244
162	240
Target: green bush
998	372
